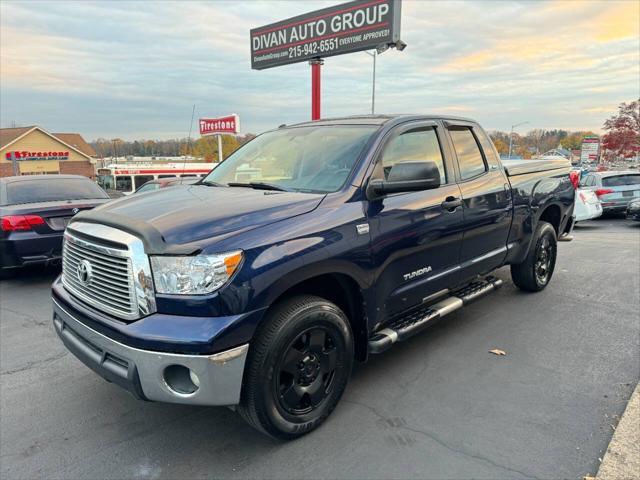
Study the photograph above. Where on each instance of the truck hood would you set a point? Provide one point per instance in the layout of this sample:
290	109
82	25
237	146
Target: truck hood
193	216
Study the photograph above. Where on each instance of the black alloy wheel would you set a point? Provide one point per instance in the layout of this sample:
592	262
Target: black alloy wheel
298	366
545	255
306	371
535	272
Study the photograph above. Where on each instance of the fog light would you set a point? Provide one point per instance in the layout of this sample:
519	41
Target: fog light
181	380
194	378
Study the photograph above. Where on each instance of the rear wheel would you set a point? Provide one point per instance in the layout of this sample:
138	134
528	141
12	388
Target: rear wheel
298	367
537	269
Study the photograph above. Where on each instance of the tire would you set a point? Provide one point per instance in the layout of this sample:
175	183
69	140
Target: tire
298	367
535	272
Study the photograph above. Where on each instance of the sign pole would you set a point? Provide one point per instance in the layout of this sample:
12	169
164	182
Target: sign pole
220	148
14	164
316	64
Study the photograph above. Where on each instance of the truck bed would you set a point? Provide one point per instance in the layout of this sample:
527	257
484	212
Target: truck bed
522	167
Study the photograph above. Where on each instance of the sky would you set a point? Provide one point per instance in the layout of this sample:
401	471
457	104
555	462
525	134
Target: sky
134	70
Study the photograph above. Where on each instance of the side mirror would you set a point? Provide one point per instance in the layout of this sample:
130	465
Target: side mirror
406	177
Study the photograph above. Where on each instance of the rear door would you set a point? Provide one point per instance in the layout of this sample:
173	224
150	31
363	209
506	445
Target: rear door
415	239
486	196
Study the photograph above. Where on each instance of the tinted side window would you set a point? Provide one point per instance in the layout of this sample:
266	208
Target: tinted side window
469	157
488	148
414	145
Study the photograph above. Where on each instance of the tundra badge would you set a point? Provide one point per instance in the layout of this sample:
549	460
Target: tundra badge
417	273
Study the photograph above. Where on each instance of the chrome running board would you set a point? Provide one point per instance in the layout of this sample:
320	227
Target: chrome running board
406	326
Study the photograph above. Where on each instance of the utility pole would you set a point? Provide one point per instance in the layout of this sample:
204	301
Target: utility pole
373	85
511	135
14	164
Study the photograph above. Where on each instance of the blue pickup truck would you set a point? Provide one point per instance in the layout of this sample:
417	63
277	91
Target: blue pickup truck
312	246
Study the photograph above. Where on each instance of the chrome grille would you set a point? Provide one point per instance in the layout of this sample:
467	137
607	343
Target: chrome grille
107	282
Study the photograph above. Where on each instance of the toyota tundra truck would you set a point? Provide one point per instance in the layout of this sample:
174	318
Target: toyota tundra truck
311	247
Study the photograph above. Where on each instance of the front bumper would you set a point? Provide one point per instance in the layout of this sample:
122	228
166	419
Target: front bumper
143	372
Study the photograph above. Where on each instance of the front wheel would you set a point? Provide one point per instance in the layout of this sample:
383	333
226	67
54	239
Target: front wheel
298	367
535	272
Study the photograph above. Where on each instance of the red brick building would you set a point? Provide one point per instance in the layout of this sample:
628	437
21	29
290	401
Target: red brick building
37	151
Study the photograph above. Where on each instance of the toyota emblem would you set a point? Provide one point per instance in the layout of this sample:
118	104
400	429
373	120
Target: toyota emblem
75	210
84	272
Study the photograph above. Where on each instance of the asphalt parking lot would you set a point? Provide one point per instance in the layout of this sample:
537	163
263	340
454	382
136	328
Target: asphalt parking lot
438	406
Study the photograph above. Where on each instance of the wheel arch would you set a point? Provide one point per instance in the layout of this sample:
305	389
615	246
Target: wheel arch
551	213
342	290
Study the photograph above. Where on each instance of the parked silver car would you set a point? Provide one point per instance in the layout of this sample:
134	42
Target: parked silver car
615	189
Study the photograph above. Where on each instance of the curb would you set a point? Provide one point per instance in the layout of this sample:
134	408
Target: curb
622	458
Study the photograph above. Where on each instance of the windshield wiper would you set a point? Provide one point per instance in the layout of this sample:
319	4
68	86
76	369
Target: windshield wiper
211	183
260	186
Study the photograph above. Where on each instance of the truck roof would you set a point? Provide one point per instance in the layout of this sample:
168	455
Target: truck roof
376	119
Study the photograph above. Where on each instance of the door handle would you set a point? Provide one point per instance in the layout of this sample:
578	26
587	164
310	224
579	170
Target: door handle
451	203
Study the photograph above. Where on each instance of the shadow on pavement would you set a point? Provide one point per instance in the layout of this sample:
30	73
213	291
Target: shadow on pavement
32	273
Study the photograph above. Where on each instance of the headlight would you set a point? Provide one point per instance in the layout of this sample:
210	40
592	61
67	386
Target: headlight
195	275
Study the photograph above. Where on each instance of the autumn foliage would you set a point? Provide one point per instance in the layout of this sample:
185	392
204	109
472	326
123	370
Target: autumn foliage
623	131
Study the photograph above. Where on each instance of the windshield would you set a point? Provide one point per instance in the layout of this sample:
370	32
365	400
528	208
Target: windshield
306	159
52	189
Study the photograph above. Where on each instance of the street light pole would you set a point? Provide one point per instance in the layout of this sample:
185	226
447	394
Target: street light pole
373	87
511	135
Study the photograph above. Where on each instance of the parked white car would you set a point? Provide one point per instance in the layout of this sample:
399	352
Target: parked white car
587	205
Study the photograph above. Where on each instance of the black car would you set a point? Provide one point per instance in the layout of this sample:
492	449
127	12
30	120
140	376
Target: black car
633	210
34	211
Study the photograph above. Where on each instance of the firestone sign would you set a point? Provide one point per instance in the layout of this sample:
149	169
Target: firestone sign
212	126
26	155
346	28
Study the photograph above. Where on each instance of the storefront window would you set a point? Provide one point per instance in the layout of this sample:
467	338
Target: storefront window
142	179
107	182
123	184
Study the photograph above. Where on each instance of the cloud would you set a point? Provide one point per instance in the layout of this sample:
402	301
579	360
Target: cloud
133	69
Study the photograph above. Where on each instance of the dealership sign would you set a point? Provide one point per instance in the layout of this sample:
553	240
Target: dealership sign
590	148
345	28
213	126
26	155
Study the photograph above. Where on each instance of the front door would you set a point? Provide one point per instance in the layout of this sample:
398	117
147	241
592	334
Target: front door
415	240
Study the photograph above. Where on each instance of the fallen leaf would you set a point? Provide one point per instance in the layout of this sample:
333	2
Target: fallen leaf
497	351
588	477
